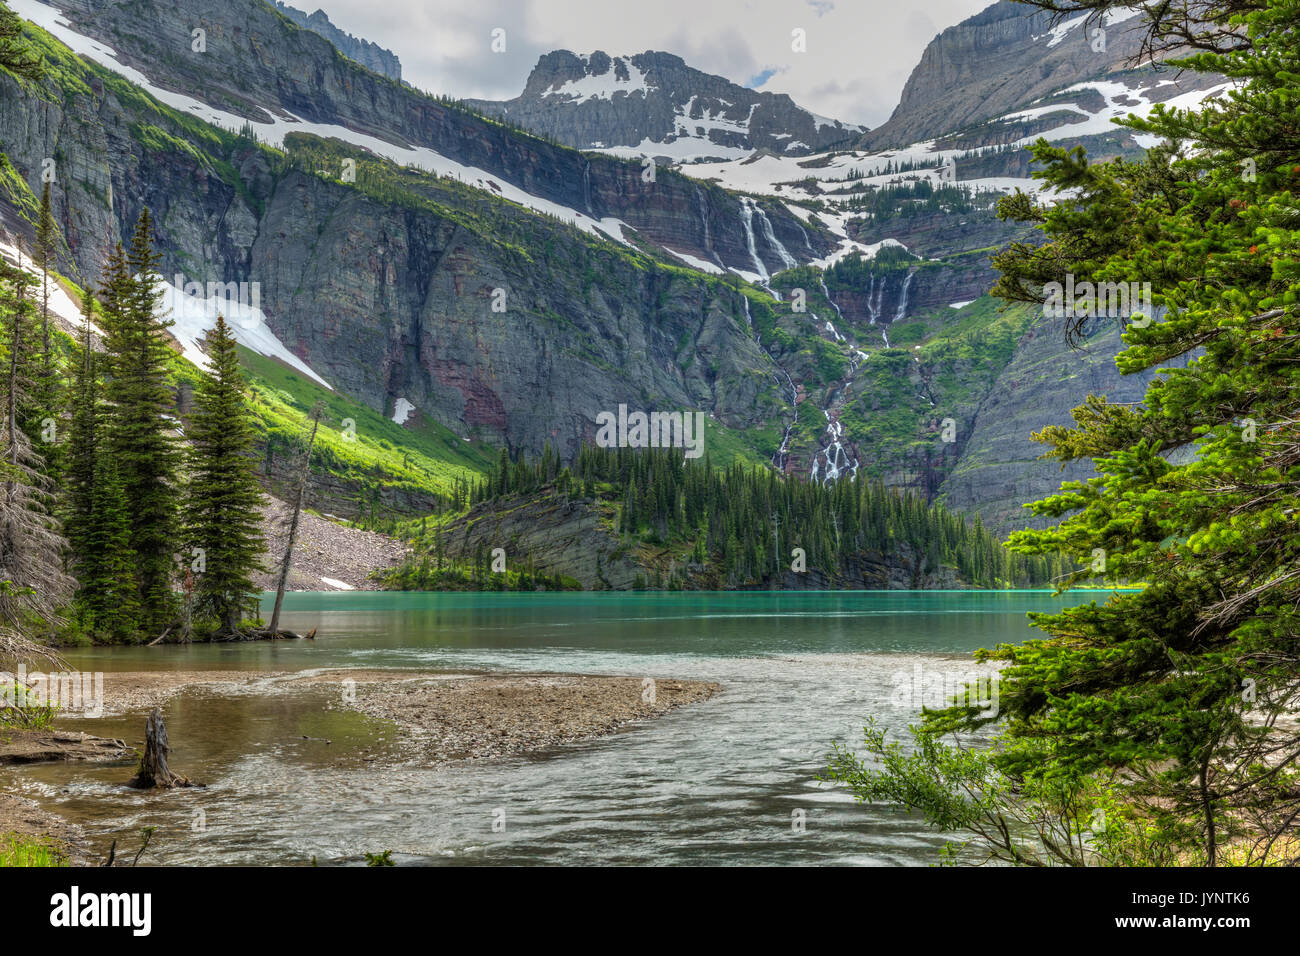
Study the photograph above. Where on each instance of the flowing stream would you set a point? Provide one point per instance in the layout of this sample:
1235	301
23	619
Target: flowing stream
717	782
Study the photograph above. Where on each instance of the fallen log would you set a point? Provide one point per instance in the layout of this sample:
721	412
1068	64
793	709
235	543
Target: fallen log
153	772
281	634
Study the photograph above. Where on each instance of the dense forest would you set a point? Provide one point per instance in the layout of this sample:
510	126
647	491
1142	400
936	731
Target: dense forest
740	526
118	526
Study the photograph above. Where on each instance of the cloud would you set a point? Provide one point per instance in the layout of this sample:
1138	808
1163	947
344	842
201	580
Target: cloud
858	55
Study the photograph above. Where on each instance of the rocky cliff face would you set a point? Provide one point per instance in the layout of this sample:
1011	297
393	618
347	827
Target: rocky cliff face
653	104
258	65
999	60
1001	78
1000	467
370	55
499	323
410	314
512	327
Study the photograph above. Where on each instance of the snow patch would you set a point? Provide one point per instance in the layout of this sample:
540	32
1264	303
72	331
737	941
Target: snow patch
194	315
603	86
62	305
402	410
697	263
337	584
275	130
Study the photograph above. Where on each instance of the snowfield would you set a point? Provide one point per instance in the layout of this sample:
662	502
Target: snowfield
281	123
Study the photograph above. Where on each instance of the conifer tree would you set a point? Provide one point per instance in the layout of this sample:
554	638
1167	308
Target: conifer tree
94	506
16	55
141	423
224	502
47	376
33	584
1170	709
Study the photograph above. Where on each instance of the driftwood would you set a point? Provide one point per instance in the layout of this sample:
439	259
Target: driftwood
256	634
265	634
154	772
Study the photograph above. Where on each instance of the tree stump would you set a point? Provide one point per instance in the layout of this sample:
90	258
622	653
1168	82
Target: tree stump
154	772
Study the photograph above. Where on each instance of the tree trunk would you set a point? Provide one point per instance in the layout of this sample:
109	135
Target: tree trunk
154	772
274	628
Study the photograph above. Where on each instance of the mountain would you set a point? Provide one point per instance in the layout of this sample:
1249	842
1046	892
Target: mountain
384	287
370	55
653	104
1013	71
457	284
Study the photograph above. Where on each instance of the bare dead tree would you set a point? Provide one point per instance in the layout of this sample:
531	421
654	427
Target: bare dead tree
33	584
304	473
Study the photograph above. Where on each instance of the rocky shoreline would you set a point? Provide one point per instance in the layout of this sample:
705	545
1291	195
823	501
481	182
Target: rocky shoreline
439	717
446	717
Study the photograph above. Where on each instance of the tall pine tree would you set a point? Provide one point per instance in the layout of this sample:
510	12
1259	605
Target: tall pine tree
94	507
141	422
1170	710
47	376
224	503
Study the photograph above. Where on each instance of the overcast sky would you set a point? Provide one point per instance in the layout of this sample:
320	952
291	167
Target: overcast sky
859	52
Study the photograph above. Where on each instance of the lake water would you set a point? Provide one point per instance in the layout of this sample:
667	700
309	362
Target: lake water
718	782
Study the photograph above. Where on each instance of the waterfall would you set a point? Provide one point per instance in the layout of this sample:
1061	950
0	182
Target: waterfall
902	301
827	294
586	188
806	244
875	298
766	225
749	320
840	462
704	221
747	222
782	455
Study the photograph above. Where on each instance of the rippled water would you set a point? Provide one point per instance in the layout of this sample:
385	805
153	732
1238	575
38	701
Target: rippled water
715	782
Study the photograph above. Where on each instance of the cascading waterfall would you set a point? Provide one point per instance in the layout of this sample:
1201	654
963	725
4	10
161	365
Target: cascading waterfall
704	221
586	188
838	311
840	462
765	224
806	244
749	320
782	455
875	298
902	300
747	222
826	292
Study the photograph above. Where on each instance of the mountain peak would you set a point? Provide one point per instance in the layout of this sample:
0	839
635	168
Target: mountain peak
655	104
370	55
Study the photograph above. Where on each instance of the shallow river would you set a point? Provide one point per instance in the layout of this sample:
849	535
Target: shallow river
730	780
